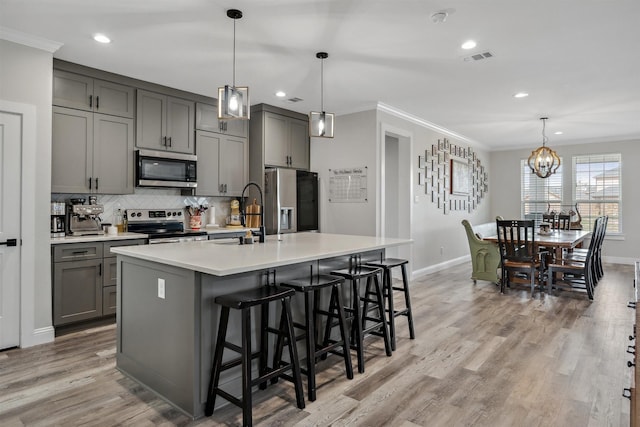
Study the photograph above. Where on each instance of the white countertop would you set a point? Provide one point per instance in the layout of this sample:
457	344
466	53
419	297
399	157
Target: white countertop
226	258
97	238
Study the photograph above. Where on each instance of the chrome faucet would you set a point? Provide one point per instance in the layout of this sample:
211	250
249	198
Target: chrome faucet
243	207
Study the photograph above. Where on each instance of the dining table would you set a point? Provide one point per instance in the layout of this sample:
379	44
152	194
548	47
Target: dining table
555	240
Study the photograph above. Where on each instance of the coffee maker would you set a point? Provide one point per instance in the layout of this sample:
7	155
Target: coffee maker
58	219
83	220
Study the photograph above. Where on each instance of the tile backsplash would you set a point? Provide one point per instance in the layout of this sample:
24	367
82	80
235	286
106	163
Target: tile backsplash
153	198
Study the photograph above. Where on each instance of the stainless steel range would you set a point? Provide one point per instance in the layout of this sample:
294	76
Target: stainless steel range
162	225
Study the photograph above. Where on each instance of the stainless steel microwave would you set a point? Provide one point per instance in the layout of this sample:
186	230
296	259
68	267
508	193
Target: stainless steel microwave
164	169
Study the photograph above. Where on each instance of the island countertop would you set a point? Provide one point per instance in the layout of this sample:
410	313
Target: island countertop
227	258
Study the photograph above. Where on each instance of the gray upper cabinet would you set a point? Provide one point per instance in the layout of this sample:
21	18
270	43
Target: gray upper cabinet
91	153
164	122
207	119
222	164
286	141
85	93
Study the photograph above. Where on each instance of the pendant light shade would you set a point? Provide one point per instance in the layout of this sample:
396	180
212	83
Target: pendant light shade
544	161
321	122
233	101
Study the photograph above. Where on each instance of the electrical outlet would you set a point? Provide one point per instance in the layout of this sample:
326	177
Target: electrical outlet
161	288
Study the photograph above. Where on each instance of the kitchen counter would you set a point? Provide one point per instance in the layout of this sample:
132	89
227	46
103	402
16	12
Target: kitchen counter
97	238
166	315
229	257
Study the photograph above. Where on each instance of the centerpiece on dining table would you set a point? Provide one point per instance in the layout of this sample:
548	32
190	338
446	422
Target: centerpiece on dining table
195	216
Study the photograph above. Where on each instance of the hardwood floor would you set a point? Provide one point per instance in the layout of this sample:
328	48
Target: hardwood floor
480	358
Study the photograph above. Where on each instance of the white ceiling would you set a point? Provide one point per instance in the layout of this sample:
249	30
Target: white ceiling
578	59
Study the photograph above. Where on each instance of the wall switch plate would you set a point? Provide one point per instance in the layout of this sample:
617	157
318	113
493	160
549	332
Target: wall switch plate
161	288
416	199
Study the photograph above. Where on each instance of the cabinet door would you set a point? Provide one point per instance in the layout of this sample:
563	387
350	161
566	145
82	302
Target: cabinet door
233	170
299	144
276	150
77	291
180	125
208	152
112	98
110	273
207	119
235	127
71	150
72	90
150	120
113	154
109	300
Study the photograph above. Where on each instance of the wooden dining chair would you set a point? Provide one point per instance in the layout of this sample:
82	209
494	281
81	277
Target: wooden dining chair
562	222
521	263
576	273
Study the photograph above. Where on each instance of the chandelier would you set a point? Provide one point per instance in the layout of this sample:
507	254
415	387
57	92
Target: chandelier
544	161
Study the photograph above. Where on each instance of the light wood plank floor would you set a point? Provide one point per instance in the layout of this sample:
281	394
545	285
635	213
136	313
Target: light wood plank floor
480	358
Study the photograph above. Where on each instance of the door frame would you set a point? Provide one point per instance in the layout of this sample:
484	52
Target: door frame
406	181
28	335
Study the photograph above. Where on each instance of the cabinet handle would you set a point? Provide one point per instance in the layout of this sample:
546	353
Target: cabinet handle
90	101
100	269
89	183
96	184
220	126
97	102
79	252
164	141
169	141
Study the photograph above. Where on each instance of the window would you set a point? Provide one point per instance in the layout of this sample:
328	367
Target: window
539	195
596	189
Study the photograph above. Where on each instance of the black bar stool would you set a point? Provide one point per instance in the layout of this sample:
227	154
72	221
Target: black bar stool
311	288
387	264
243	301
355	273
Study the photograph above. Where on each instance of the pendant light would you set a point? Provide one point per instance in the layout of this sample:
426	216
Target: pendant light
233	101
544	161
321	123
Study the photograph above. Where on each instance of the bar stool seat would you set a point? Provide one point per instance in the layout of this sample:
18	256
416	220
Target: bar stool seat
387	265
311	287
244	301
360	313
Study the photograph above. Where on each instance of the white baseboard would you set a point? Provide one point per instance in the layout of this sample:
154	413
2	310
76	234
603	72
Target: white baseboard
439	267
619	260
39	336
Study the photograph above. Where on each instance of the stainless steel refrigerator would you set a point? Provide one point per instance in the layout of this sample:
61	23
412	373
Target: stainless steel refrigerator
291	201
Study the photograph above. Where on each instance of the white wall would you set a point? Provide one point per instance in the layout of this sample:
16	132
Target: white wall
354	145
505	181
358	142
26	77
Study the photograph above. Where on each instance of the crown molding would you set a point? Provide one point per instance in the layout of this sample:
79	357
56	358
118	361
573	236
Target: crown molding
29	40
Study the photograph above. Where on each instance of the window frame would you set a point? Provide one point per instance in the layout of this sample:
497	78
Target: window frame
545	202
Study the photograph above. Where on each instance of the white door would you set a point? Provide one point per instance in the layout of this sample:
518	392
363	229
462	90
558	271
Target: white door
10	205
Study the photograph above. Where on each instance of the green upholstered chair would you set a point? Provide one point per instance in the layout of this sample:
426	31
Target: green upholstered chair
485	256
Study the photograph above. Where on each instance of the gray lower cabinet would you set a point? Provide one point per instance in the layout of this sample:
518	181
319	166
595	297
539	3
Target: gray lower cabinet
164	123
223	165
85	93
91	153
84	280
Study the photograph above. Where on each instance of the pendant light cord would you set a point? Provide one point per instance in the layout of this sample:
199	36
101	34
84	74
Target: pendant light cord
234	53
544	136
322	85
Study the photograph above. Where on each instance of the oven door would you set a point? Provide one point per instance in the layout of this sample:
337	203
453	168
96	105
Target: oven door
161	169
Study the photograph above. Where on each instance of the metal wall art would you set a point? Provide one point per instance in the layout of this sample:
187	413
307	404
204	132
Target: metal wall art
453	176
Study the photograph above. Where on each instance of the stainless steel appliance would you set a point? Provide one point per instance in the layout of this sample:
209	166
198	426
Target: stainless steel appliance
163	169
280	201
58	219
84	220
291	201
162	225
307	200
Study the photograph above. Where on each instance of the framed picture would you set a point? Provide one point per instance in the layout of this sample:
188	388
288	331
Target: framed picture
460	182
420	178
440	145
421	162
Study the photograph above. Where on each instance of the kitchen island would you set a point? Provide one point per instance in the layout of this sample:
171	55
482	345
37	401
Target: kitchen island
166	315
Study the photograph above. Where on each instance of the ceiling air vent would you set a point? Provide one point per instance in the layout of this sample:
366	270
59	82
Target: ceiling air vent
478	56
294	99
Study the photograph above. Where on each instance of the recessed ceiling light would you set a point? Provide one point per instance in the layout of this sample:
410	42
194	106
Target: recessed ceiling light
558	133
469	44
520	95
101	38
280	94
